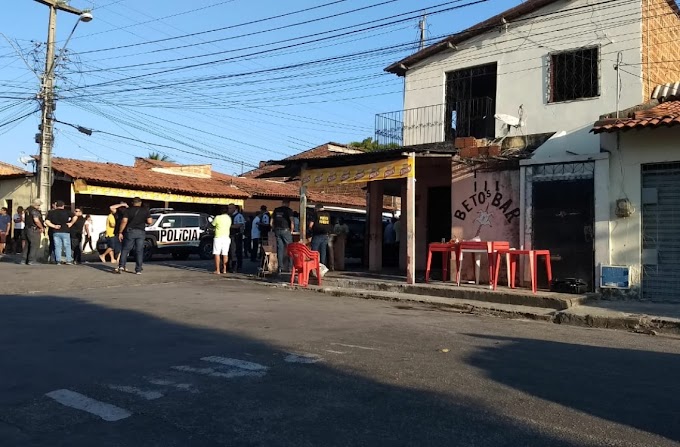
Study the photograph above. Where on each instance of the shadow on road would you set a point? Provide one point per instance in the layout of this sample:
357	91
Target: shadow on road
635	388
49	342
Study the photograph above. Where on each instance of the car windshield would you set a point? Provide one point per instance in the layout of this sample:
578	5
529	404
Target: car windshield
154	218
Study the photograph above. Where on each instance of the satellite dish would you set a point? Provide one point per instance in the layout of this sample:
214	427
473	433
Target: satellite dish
509	120
25	160
512	121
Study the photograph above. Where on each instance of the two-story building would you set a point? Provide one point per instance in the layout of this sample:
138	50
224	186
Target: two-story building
545	68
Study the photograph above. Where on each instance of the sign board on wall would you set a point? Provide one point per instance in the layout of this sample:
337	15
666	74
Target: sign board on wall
614	277
388	170
83	188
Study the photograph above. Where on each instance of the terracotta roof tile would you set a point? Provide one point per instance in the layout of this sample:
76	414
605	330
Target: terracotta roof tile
254	187
322	151
665	114
219	185
7	169
136	177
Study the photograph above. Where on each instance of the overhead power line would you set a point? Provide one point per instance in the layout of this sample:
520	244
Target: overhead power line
238	25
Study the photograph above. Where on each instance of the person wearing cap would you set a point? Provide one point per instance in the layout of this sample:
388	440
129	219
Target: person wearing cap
320	227
35	226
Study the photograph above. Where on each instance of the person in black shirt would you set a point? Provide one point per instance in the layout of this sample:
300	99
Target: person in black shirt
34	229
60	221
283	229
132	233
77	224
320	227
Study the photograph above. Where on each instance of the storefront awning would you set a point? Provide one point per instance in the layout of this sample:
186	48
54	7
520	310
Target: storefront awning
83	188
387	170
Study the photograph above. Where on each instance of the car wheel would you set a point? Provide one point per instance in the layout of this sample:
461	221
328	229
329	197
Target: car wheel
180	256
205	249
148	250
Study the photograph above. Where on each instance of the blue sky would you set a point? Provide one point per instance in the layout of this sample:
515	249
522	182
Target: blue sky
230	97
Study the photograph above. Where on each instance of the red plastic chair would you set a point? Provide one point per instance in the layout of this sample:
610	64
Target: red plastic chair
304	261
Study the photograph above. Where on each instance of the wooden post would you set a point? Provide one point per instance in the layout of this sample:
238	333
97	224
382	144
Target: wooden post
375	229
303	207
411	223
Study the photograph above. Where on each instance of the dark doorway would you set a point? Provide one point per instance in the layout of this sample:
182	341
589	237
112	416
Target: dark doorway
438	219
563	219
471	102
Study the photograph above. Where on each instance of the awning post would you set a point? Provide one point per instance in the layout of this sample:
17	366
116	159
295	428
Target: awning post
411	223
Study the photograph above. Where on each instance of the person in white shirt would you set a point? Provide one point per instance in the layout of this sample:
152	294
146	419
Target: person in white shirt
88	231
19	225
255	238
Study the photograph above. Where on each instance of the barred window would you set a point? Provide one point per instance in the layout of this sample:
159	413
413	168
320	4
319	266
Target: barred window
574	75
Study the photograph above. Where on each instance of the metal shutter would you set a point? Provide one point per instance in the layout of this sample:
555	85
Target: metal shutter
661	232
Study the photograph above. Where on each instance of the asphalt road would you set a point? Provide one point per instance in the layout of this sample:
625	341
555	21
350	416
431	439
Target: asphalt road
205	361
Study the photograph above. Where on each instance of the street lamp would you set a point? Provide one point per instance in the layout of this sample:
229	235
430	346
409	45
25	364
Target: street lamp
47	93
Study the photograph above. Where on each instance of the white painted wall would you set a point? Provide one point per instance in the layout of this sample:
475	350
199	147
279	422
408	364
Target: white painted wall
625	179
522	54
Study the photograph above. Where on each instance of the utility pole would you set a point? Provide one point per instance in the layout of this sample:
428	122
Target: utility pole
46	136
422	24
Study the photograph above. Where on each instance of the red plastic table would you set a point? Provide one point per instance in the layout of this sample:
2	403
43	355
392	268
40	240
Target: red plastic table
488	247
511	260
439	247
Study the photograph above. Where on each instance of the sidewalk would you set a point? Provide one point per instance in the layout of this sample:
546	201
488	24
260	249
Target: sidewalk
576	310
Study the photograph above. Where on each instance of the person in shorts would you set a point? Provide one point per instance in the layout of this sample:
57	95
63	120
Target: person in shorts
222	241
114	246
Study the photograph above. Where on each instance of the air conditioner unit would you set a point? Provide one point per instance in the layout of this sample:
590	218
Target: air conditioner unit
614	277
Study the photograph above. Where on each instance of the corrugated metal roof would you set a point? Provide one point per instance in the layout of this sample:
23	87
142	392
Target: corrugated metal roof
666	91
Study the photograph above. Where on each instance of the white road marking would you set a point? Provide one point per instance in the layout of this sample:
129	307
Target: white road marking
148	395
302	358
180	386
335	352
241	364
228	374
107	412
355	346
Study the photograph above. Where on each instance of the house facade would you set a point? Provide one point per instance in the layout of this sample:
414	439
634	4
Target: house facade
544	67
644	190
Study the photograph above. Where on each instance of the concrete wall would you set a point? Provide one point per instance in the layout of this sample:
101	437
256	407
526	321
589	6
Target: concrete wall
485	205
625	179
21	191
522	53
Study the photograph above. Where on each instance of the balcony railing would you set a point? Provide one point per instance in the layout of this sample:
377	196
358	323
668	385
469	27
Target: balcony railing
437	123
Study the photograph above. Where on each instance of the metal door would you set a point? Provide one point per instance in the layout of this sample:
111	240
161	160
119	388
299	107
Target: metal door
563	217
661	232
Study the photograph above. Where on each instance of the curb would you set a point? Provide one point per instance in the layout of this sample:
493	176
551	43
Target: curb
548	302
642	324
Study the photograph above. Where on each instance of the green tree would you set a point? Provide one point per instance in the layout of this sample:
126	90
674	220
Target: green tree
158	156
370	145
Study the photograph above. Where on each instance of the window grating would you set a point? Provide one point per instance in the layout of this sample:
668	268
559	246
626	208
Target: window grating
574	75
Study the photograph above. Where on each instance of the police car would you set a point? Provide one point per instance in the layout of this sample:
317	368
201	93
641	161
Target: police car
176	233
